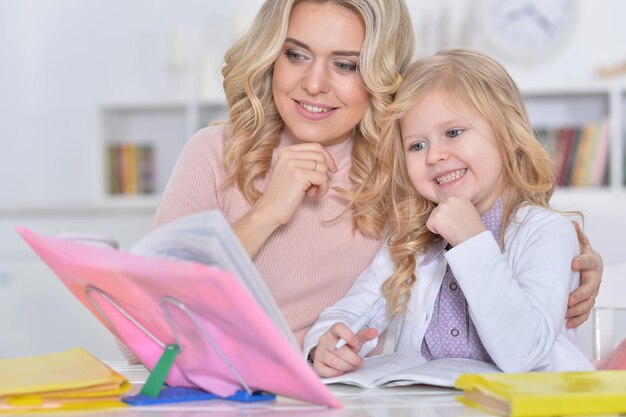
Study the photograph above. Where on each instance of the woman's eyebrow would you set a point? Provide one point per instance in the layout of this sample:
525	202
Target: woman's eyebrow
305	46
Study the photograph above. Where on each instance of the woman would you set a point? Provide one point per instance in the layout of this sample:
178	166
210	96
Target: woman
305	88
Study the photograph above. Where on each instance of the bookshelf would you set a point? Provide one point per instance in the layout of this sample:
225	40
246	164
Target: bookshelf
140	143
579	105
167	125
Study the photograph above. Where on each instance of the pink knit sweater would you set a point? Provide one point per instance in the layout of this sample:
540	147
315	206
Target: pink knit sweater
307	264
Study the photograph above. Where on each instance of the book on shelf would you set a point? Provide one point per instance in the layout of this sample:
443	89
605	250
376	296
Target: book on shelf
401	368
537	394
580	154
599	168
69	380
131	168
189	283
582	160
567	142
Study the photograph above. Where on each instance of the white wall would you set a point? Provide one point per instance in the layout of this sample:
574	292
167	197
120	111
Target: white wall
598	39
60	59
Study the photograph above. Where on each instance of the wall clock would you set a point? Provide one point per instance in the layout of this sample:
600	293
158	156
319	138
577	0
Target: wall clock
527	29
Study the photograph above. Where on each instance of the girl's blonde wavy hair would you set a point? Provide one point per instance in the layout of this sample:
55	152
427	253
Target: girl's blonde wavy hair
254	119
469	80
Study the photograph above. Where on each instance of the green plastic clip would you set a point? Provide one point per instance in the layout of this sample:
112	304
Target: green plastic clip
155	381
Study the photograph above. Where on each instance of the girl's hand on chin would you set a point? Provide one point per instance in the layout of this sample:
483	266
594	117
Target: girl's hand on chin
456	220
300	170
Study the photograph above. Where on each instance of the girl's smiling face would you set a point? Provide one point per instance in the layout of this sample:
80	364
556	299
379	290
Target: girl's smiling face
451	152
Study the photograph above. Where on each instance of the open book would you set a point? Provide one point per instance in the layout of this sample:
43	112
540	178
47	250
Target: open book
207	238
401	368
189	283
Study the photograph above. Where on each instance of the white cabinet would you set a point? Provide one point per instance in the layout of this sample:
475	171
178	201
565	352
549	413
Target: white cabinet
129	131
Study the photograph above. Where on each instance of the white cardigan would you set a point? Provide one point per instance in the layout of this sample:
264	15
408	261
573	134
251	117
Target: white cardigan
517	298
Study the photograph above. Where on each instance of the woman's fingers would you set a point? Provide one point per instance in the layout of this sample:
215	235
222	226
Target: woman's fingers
310	160
582	238
580	303
312	151
589	287
589	264
579	313
589	261
311	167
299	171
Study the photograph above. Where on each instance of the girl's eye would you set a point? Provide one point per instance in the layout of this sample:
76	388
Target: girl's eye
417	146
294	56
454	133
346	66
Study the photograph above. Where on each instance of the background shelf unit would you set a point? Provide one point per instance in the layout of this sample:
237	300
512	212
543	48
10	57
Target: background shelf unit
603	207
169	124
580	104
164	126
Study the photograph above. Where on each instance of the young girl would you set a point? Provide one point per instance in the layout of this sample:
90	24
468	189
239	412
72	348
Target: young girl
477	266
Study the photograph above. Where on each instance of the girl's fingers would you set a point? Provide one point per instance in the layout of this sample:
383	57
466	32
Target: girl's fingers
343	359
326	371
367	334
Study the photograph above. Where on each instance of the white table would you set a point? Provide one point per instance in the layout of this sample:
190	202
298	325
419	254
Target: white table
413	401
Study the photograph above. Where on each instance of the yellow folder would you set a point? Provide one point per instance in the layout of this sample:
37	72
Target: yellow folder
73	379
546	393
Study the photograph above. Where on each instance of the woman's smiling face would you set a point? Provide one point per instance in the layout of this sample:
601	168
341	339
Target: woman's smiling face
316	84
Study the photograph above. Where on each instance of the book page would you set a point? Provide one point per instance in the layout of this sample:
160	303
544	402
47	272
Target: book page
440	372
374	368
207	238
402	368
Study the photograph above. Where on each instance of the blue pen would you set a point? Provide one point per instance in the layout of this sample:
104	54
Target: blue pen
364	319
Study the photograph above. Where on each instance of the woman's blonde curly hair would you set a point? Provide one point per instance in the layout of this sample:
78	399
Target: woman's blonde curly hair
255	122
468	79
